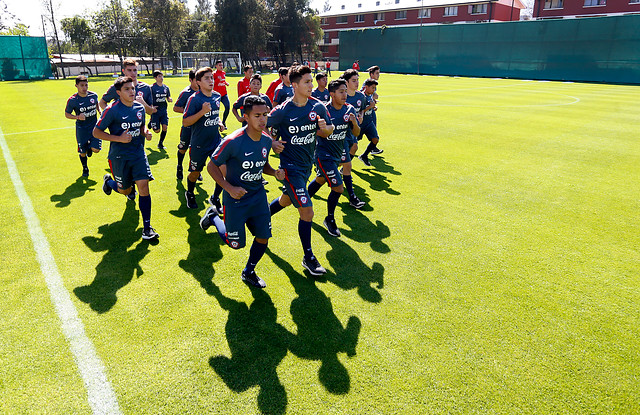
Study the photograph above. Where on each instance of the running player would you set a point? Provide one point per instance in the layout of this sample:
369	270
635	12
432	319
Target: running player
143	91
368	125
284	90
244	85
220	86
203	113
256	85
330	150
271	91
374	73
185	132
245	153
128	162
321	93
297	122
160	119
327	67
85	105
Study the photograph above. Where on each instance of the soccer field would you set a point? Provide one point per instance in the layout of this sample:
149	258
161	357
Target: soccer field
495	268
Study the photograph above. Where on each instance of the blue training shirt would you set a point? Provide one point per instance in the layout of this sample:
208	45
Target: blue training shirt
84	105
322	96
206	131
331	148
282	93
160	95
239	104
118	117
142	90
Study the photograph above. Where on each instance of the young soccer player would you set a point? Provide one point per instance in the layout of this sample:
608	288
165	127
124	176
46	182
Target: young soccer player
368	125
320	92
327	67
283	91
143	91
271	91
245	153
220	86
374	73
316	68
125	121
297	122
202	113
185	132
330	150
256	84
160	119
85	105
244	85
356	65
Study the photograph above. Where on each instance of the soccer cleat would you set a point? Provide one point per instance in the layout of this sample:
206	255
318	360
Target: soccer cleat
356	202
179	173
365	160
132	194
313	266
207	219
85	172
149	233
251	278
376	151
330	224
215	202
191	200
161	146
105	187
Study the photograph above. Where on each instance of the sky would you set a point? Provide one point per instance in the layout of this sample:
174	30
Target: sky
30	11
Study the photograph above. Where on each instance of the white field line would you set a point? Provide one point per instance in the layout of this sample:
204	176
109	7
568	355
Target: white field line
101	396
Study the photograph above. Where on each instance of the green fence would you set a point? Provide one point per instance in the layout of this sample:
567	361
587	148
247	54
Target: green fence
24	57
601	49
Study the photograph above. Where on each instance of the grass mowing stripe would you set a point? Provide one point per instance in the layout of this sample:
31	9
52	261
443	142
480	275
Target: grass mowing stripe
102	398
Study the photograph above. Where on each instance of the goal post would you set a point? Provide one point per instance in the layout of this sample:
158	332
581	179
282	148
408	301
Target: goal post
231	61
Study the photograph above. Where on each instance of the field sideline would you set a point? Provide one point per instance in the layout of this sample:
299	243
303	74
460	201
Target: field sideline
495	268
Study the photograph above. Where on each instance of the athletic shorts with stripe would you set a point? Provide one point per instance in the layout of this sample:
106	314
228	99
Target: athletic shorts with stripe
252	210
126	172
329	170
295	186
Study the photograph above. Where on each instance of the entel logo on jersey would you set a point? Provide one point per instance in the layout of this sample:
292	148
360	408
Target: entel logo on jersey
313	115
264	152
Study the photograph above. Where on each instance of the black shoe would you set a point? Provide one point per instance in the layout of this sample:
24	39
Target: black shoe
207	219
150	233
313	266
89	153
215	202
200	178
191	200
132	195
85	172
365	160
356	203
161	146
105	187
251	278
376	151
330	224
179	173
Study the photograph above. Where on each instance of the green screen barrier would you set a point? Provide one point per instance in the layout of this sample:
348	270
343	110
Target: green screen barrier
598	49
24	57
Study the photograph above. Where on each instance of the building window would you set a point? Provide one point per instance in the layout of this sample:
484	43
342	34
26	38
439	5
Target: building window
553	4
342	7
327	37
397	1
359	5
342	19
379	17
480	8
424	13
589	3
452	11
323	21
377	3
359	18
634	1
401	15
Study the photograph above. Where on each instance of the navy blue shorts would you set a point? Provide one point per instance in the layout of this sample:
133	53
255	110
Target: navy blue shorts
295	186
346	155
199	155
126	172
252	210
158	119
86	141
369	130
185	138
329	170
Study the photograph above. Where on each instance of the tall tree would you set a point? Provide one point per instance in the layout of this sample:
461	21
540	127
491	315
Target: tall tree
50	9
291	28
20	29
79	33
241	25
111	24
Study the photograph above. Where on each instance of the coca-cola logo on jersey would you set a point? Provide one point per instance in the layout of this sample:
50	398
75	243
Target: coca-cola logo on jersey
303	140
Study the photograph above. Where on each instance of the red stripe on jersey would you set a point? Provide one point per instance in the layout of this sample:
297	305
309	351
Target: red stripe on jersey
72	96
106	110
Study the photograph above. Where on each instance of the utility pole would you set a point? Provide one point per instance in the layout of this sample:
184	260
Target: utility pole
55	32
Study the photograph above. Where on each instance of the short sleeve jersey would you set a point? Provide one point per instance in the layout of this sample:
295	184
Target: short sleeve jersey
358	101
142	90
239	104
369	115
244	86
205	131
297	126
220	82
331	148
271	91
160	94
84	105
245	159
118	118
282	93
321	95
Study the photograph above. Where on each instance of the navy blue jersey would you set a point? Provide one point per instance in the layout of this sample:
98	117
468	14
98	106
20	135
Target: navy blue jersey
359	102
297	126
369	115
160	95
118	118
206	130
142	90
282	93
239	104
84	105
245	159
184	96
321	96
331	148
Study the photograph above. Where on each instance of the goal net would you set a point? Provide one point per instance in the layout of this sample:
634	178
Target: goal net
231	61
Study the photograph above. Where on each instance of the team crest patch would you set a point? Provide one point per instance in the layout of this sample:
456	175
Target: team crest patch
346	116
139	114
139	93
264	152
359	103
303	199
93	101
234	244
313	115
334	181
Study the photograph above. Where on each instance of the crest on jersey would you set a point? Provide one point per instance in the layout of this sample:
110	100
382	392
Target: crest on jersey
139	93
139	114
234	244
218	104
346	116
359	103
93	101
264	152
313	115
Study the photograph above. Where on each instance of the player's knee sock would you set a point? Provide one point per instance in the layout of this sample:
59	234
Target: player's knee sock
180	157
255	254
370	147
304	230
221	228
275	207
191	186
112	184
83	160
332	202
313	188
163	134
348	184
217	191
144	203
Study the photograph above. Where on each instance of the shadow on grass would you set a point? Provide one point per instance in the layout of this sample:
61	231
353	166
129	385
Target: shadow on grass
154	155
119	264
75	190
378	176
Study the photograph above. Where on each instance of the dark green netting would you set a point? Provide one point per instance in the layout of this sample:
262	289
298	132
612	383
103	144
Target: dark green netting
24	57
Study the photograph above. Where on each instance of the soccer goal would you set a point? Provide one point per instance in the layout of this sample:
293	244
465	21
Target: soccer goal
231	61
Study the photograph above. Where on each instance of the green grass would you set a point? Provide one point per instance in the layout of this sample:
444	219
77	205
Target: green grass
495	269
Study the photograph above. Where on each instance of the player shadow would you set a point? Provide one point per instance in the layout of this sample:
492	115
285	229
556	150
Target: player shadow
350	271
257	344
75	190
155	155
320	335
378	177
119	263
